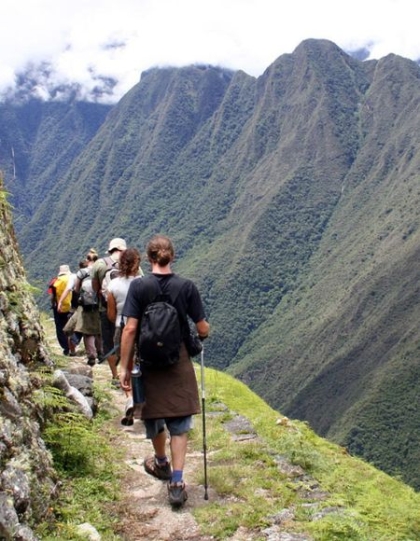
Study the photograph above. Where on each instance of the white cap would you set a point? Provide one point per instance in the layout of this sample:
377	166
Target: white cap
117	244
64	269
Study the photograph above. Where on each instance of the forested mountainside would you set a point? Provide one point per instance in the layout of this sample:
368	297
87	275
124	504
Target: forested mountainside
293	202
38	143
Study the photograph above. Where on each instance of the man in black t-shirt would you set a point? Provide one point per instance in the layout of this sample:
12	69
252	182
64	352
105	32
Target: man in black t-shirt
171	394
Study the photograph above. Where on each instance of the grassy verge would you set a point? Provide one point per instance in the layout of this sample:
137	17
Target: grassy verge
324	492
287	477
87	461
86	457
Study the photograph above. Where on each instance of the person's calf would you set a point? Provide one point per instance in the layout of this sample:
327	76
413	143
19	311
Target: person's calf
112	361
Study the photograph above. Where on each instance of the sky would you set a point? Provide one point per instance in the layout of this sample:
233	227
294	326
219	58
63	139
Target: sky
89	42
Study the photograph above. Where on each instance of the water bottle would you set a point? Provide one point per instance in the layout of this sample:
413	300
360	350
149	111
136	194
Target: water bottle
137	385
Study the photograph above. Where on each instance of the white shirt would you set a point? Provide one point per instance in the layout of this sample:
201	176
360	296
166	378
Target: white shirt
119	289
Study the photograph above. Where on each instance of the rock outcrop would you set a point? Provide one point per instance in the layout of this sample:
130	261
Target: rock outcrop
27	477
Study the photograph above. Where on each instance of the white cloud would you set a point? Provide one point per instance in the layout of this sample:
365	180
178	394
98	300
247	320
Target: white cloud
74	37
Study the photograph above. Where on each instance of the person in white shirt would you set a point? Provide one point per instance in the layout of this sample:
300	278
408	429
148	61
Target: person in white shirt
129	270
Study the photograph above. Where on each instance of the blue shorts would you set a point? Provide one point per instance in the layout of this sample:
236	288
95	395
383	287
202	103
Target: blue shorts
175	425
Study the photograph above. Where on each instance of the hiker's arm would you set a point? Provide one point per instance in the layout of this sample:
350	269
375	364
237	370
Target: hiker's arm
128	339
94	274
111	310
77	285
203	328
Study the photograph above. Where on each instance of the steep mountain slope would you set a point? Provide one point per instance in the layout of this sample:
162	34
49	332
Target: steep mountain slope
292	200
126	179
38	143
341	350
256	170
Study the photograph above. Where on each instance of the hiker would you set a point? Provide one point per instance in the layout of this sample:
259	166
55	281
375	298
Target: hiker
75	338
87	318
56	288
171	393
128	270
101	275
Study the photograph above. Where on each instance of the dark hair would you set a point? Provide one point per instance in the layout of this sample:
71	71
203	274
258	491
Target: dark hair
129	262
160	250
83	264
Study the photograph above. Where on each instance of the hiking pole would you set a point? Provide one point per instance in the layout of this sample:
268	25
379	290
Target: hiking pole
203	410
111	352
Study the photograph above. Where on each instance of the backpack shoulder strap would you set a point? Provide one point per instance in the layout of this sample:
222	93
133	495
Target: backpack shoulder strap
109	262
174	286
153	285
83	273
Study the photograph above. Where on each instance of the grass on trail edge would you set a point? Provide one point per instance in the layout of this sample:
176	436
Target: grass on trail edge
327	494
90	466
357	502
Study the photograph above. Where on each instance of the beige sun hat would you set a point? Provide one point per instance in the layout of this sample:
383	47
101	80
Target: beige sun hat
117	244
63	269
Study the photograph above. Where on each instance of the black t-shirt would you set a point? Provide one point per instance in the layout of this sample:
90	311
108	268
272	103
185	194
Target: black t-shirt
143	291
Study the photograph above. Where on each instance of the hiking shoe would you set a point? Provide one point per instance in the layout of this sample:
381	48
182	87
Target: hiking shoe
164	473
128	418
177	494
116	383
91	361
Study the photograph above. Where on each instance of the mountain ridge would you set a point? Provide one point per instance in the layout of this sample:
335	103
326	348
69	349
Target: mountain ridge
292	201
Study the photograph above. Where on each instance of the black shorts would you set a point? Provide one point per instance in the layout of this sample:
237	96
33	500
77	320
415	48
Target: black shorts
107	333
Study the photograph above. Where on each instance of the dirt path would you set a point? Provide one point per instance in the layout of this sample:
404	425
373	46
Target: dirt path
144	510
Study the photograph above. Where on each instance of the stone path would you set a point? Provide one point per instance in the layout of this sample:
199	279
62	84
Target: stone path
145	512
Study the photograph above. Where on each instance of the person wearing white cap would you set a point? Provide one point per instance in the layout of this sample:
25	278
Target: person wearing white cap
56	289
101	274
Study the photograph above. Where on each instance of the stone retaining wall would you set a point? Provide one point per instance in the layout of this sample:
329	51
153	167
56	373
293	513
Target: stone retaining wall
27	478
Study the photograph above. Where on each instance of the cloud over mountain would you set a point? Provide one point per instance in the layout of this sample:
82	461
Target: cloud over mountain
100	49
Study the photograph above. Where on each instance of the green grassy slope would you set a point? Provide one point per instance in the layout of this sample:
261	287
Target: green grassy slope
266	474
344	343
289	472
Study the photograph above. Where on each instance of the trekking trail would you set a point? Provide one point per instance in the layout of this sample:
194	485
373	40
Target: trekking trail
143	511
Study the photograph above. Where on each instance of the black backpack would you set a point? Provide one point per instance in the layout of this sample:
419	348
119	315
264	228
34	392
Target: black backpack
161	332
